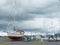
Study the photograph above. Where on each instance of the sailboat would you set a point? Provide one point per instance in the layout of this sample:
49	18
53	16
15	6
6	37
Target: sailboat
16	34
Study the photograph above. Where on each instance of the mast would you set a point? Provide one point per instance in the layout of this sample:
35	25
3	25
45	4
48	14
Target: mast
14	13
12	16
14	10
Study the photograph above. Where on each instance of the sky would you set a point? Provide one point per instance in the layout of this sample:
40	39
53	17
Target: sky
30	15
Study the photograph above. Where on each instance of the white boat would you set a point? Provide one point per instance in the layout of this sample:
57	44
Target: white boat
16	34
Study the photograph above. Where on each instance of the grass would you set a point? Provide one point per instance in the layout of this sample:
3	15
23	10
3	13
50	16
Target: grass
4	39
34	42
4	43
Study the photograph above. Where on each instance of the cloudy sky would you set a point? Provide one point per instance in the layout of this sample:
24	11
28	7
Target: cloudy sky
30	15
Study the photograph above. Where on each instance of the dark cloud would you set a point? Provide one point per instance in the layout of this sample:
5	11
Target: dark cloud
47	11
35	30
3	26
25	12
28	13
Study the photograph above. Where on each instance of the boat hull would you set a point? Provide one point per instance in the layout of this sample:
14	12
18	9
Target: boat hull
15	35
14	38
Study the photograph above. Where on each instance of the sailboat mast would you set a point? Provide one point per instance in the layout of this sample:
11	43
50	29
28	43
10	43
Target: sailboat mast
14	11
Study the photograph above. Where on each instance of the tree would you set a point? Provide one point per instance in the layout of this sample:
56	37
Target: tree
57	35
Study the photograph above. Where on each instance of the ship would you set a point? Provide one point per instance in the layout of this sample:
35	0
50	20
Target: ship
16	35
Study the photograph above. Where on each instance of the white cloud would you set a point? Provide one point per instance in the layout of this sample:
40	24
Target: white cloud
52	24
42	3
47	24
37	23
35	7
3	33
25	5
2	2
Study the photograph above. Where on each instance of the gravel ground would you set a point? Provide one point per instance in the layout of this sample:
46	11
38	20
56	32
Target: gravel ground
5	42
51	43
19	43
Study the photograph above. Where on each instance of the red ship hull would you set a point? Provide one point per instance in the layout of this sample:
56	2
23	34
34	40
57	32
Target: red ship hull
16	35
13	38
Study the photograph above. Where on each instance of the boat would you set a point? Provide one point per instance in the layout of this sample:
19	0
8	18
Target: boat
16	35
